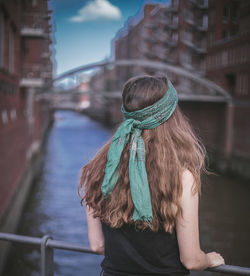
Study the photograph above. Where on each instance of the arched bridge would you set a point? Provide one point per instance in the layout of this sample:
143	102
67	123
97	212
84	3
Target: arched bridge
206	104
190	86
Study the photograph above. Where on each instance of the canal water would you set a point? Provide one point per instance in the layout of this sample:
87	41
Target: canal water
54	207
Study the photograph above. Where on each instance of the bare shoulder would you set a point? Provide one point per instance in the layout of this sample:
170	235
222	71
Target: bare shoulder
187	176
188	183
187	179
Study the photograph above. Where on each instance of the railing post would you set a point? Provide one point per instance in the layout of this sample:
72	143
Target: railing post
47	257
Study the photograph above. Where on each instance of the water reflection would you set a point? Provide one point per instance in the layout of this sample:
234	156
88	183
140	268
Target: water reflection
53	206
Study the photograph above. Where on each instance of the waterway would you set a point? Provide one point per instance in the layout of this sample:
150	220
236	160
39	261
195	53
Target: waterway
53	206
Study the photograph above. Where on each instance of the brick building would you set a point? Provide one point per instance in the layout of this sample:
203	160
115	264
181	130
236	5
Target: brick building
133	42
175	34
25	66
228	64
228	57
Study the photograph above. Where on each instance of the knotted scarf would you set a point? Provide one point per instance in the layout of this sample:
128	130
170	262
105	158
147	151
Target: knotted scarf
133	124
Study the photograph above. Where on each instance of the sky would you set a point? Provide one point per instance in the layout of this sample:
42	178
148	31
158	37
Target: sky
84	29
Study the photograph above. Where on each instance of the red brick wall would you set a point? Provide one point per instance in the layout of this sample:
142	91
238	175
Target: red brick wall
33	50
16	138
209	121
14	143
241	132
16	135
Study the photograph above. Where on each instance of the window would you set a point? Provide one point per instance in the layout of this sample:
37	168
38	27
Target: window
2	28
212	17
175	2
234	56
205	3
224	58
11	50
243	52
4	116
13	114
187	58
202	65
235	30
235	15
205	21
217	60
225	14
231	83
175	36
211	39
230	57
225	34
34	3
244	22
242	84
175	20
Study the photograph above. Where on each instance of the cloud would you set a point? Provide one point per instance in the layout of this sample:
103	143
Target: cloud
95	10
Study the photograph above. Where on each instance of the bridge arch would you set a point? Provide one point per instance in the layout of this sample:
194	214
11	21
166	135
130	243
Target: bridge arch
207	91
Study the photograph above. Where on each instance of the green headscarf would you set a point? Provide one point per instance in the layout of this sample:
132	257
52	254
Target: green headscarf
134	122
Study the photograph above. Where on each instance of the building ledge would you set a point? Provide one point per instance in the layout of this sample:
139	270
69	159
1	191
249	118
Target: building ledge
198	49
173	26
187	96
203	5
46	55
31	82
171	43
173	8
37	32
46	74
202	28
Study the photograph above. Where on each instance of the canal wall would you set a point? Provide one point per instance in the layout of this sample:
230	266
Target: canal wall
10	220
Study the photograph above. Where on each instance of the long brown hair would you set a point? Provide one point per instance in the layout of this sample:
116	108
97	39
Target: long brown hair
171	148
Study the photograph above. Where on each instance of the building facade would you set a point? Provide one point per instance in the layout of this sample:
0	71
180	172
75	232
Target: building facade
133	42
174	33
228	65
25	67
228	57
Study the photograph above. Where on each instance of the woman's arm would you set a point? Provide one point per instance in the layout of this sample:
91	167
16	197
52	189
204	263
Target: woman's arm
96	238
187	228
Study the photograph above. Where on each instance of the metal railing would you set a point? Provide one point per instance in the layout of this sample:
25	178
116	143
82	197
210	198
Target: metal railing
47	246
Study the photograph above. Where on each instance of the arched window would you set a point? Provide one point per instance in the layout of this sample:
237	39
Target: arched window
11	50
2	28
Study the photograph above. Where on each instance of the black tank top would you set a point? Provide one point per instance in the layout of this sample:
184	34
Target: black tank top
129	251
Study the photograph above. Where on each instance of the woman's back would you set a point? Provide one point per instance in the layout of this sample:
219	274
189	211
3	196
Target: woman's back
147	175
129	251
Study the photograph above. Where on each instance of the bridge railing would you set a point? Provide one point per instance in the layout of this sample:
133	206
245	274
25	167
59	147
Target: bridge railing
47	246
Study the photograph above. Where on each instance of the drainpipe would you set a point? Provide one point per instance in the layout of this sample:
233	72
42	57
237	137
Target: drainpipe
229	129
30	109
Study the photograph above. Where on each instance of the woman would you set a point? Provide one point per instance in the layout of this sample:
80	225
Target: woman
142	188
